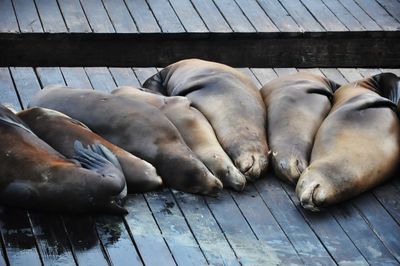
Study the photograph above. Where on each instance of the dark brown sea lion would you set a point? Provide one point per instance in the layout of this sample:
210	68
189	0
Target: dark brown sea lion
356	148
231	103
35	176
138	128
195	130
61	131
296	106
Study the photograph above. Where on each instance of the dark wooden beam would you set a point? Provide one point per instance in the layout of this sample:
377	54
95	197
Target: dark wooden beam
277	49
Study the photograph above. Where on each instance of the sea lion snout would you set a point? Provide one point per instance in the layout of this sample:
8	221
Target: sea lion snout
288	168
252	165
215	186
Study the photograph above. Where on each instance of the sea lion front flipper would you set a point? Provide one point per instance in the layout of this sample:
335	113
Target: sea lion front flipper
155	84
321	91
388	86
373	101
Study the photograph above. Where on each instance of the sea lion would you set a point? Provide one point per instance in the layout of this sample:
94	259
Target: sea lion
230	102
60	132
296	106
356	148
195	130
35	176
138	128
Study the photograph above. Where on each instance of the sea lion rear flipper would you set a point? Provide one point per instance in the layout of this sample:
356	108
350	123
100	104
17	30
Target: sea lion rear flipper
94	157
155	84
388	86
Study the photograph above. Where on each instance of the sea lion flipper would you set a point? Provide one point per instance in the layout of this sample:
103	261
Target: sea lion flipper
321	91
388	86
155	84
374	101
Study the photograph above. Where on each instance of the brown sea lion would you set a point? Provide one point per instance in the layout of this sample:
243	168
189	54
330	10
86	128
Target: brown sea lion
230	102
61	131
296	106
35	176
195	130
138	128
356	148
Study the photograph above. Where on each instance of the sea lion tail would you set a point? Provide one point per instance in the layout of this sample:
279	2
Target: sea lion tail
388	86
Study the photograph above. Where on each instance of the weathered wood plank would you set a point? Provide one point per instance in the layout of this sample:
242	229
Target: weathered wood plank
381	17
97	16
146	233
8	93
50	16
27	16
344	15
301	15
234	16
389	197
279	15
211	16
50	76
76	77
334	74
392	7
165	16
8	19
120	16
144	73
264	75
100	78
124	77
350	74
285	71
143	16
360	15
26	83
20	243
174	228
188	16
256	15
74	16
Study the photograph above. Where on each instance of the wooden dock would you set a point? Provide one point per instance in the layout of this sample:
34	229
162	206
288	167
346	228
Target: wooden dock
264	225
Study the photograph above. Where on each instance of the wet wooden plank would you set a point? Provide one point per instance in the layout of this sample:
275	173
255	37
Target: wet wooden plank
8	19
20	243
234	16
120	16
50	16
211	16
97	16
174	228
324	16
206	229
100	78
8	93
27	16
344	15
74	16
143	16
26	83
50	76
381	17
360	15
265	226
188	16
165	16
76	77
279	15
124	76
292	222
301	15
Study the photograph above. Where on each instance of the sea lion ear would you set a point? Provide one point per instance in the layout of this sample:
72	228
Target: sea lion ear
95	157
388	86
374	101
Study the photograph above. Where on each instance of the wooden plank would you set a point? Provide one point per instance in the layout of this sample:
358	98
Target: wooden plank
144	73
292	223
206	229
265	226
143	16
344	15
360	15
334	74
285	71
264	75
50	16
146	233
351	74
20	243
3	256
120	16
362	236
234	16
392	70
8	94
52	241
256	15
301	15
124	77
74	16
27	16
174	228
76	77
279	15
50	76
188	16
388	196
324	16
26	83
211	16
8	19
97	16
392	7
100	78
381	17
366	72
165	16
250	74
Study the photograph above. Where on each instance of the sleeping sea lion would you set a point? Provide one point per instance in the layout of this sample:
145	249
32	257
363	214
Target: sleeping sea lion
296	106
356	148
230	102
195	130
60	132
138	128
35	176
